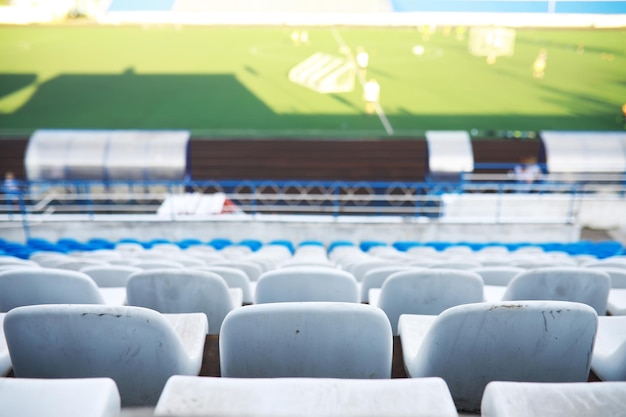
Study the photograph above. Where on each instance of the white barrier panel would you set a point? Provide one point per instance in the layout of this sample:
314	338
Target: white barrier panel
107	155
575	152
449	152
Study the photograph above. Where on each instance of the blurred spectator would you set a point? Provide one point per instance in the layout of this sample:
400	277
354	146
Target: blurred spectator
11	189
526	173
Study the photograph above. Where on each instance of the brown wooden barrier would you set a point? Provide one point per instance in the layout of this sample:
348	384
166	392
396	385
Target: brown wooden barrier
309	159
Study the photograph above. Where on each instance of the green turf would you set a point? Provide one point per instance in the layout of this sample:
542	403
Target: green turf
233	81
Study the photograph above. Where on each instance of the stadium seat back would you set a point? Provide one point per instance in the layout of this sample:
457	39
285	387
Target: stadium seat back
28	286
428	292
315	339
306	284
525	341
136	347
182	291
588	286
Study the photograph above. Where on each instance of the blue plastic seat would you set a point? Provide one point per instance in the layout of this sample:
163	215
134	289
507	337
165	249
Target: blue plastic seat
285	243
366	245
253	244
339	243
404	246
220	243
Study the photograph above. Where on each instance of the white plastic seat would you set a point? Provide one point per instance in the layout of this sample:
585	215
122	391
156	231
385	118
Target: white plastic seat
534	399
375	278
581	285
303	263
107	276
616	304
187	261
137	347
303	397
542	264
496	279
5	358
158	264
306	284
360	268
462	265
76	264
498	275
6	260
234	277
252	269
114	296
27	286
422	251
183	291
428	291
314	339
490	262
167	248
149	255
609	353
53	260
79	397
129	248
6	267
607	263
474	344
618	276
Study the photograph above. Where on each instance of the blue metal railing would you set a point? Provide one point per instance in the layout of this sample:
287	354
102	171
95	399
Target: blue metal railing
293	196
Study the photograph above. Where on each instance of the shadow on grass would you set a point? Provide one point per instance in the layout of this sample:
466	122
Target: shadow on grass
220	103
10	83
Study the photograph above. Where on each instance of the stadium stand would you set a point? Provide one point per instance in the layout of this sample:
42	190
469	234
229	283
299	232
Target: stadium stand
102	208
340	254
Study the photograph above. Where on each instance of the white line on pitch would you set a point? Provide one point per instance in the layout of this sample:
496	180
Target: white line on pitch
379	110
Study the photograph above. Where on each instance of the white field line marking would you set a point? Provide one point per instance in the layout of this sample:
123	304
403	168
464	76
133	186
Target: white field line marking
377	106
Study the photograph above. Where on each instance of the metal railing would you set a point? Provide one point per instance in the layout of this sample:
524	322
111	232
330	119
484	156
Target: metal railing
294	197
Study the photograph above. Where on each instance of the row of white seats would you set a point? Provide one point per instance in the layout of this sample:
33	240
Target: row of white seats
403	290
468	345
273	256
302	397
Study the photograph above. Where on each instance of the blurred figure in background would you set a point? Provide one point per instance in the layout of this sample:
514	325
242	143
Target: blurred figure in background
11	190
371	94
362	60
539	66
526	173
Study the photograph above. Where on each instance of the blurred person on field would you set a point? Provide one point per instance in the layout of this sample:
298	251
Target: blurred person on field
371	94
362	60
539	66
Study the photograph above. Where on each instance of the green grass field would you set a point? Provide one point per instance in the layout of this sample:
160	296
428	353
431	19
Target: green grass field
233	82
